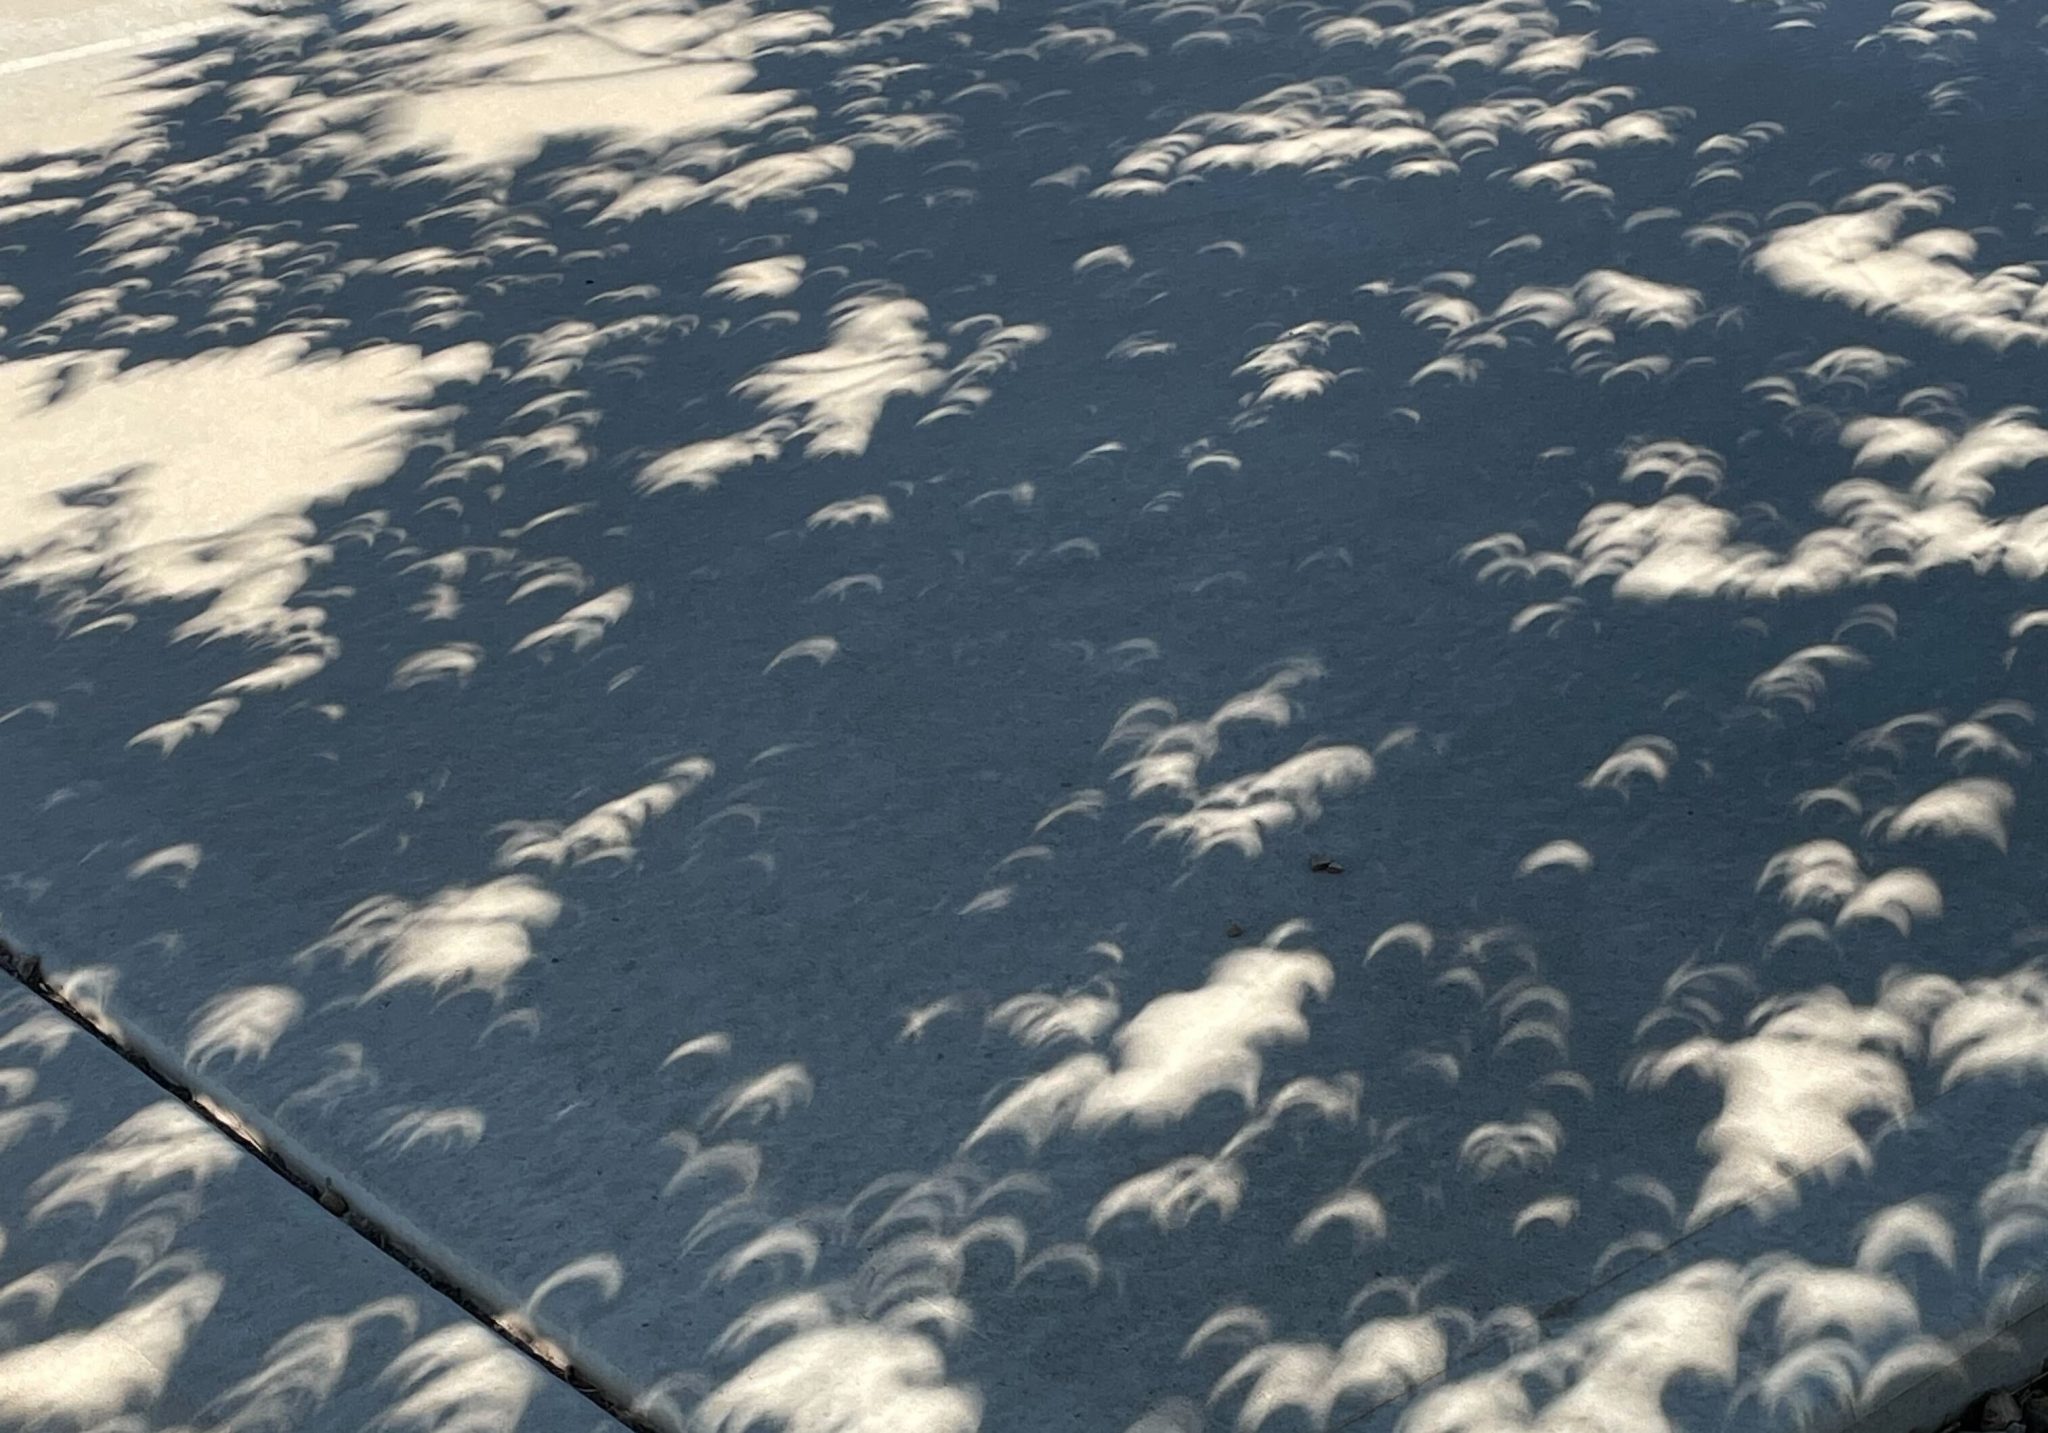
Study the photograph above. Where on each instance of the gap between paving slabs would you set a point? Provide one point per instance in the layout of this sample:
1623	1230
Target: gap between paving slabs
360	1215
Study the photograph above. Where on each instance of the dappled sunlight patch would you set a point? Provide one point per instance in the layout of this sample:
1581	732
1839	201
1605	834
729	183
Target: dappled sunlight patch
458	1379
1977	808
2013	1208
583	625
1288	369
242	1024
1177	1050
770	1095
1683	547
878	352
1040	1018
175	863
195	480
1826	878
163	1145
1639	762
304	1368
1778	1337
1811	1065
453	662
775	277
121	1365
1587	321
1504	1149
1872	258
830	400
436	1131
464	939
829	1376
608	831
1800	679
510	78
869	1352
1172	1195
1241	812
1614	1368
1988	1028
1336	126
1563	855
1380	1360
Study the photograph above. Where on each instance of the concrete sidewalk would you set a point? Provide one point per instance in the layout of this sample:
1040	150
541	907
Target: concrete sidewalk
946	717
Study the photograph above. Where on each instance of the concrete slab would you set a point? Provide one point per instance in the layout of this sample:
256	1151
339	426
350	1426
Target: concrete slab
1154	719
157	1276
70	74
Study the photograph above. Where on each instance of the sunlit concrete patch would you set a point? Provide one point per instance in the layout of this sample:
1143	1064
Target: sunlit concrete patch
1743	1323
196	480
510	77
831	399
156	1275
1334	126
1682	546
1873	256
73	77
